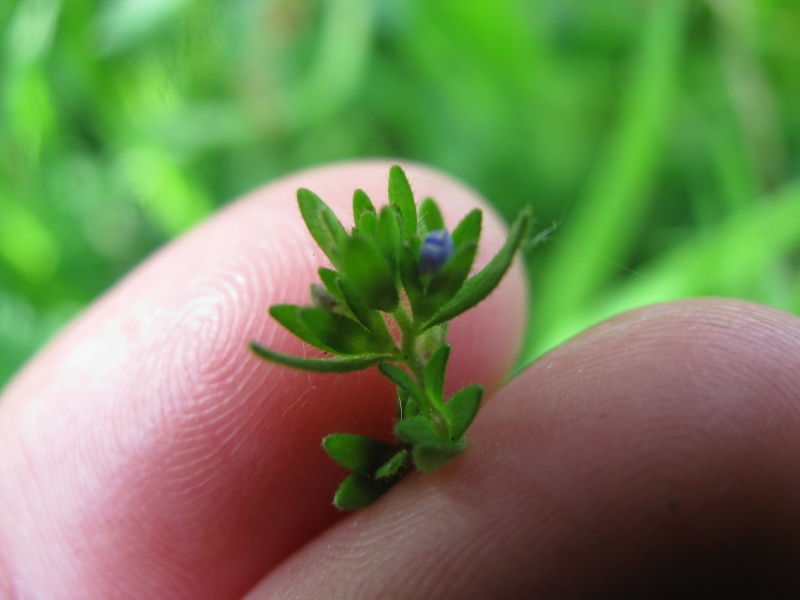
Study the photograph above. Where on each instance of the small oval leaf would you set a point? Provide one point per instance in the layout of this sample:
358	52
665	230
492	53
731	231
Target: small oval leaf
366	269
430	215
358	453
429	457
468	231
417	430
368	227
389	237
435	373
461	410
394	466
368	317
400	195
404	381
409	276
323	225
291	317
362	205
343	335
359	491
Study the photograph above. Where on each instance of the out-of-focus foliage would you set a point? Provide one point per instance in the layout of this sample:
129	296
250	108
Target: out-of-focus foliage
662	138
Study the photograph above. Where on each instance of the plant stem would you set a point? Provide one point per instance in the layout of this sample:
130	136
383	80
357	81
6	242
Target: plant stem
412	359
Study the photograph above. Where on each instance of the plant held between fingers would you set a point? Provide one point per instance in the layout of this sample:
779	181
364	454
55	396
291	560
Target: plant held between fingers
400	265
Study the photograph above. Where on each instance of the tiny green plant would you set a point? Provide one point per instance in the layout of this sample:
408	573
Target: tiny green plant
399	269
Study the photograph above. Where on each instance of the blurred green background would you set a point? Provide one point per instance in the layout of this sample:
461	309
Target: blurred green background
661	138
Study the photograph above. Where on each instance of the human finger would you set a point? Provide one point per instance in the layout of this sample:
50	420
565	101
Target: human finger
654	456
146	453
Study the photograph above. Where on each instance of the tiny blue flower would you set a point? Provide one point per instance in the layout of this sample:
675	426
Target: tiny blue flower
436	250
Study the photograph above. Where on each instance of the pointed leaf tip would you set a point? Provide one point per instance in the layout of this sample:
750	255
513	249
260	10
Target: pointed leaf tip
462	409
359	491
435	374
357	453
322	224
344	364
430	215
400	195
362	205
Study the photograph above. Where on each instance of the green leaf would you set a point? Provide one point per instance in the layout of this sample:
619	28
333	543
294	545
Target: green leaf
362	205
323	225
359	491
409	276
343	335
448	281
366	269
468	230
328	331
418	430
429	457
291	317
461	409
434	374
389	237
320	365
430	216
408	405
394	466
400	195
371	319
404	381
357	453
480	285
369	226
328	278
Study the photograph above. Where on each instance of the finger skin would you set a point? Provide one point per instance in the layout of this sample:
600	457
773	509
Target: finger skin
147	454
654	456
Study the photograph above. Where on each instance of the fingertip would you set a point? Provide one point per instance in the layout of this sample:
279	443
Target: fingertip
150	404
652	455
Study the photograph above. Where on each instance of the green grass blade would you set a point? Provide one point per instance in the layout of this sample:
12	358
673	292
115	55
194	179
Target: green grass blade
721	261
592	241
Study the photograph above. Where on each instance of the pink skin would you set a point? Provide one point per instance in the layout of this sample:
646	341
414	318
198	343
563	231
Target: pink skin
146	454
654	456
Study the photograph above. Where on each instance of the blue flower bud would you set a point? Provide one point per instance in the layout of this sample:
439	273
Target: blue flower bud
436	250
